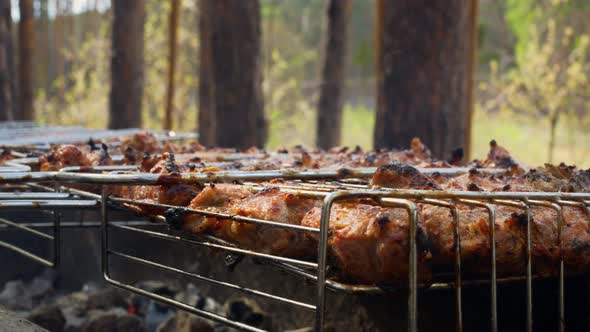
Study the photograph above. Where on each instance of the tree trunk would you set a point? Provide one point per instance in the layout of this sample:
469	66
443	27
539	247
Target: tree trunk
470	81
127	63
5	77
330	103
26	42
425	52
205	117
172	37
230	53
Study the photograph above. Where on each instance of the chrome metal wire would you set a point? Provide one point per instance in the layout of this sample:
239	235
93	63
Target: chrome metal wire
329	186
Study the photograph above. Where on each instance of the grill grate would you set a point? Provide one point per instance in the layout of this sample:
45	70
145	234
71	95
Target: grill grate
28	135
330	186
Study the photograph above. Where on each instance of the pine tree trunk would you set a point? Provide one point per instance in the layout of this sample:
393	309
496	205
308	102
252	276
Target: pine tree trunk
205	117
333	83
230	55
172	40
26	42
425	52
127	61
5	77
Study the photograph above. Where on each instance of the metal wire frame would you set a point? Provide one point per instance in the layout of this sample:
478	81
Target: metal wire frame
405	199
202	178
40	137
456	199
107	252
54	202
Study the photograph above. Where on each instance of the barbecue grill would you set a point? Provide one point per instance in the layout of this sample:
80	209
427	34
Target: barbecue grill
46	191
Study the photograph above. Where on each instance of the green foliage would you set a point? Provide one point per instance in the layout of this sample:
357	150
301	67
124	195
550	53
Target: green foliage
549	81
358	122
526	138
290	112
82	97
85	88
521	15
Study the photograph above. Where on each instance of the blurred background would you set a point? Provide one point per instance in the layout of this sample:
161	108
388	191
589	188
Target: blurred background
380	71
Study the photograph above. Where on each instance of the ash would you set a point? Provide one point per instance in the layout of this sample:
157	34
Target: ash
104	308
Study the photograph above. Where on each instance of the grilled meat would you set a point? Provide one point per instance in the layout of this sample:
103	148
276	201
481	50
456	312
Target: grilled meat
399	175
133	147
167	193
270	204
215	197
63	156
370	243
367	243
474	233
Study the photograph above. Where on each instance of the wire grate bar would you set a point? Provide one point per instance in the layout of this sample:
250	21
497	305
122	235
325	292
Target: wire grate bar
26	229
219	215
47	203
32	195
214	245
242	289
27	254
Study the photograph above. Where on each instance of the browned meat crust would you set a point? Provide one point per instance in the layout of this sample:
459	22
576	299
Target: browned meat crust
399	175
370	243
63	156
170	194
134	147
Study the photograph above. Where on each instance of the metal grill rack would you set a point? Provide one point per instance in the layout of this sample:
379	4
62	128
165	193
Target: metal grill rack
30	199
330	186
19	135
47	199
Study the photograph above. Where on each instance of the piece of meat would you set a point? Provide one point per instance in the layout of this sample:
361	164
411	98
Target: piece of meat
274	205
214	197
475	181
100	157
420	150
63	156
400	175
510	228
474	234
133	147
170	194
370	244
269	204
579	181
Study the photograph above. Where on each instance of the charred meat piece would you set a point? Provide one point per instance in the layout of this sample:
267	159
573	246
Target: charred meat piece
500	157
456	156
166	193
214	197
370	243
580	181
475	181
100	157
399	175
420	150
474	232
269	204
133	147
63	156
273	205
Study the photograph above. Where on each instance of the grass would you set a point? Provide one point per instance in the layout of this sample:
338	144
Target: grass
526	139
